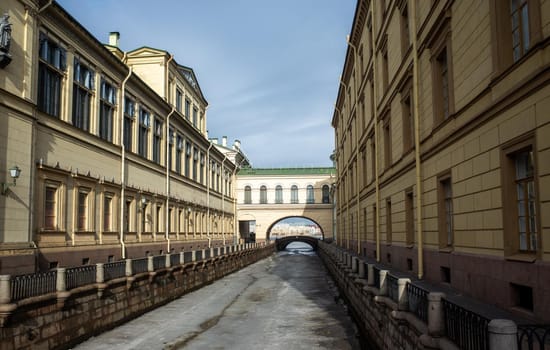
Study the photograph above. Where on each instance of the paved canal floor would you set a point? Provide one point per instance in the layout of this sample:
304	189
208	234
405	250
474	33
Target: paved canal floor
286	301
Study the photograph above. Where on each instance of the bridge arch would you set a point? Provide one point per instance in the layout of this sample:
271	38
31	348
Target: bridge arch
270	227
282	243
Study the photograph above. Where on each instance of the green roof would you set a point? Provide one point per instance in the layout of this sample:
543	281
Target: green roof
287	171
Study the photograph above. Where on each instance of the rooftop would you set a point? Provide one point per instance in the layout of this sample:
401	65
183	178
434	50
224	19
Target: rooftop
287	171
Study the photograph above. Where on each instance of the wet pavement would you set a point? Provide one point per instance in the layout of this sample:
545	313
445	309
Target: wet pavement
286	301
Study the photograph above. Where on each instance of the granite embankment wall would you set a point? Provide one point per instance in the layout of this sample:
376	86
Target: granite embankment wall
64	317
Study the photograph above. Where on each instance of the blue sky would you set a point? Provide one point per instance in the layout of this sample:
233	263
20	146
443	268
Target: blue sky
269	69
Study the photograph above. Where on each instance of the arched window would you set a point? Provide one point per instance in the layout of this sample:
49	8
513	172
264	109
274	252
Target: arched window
294	194
310	194
326	194
247	195
263	195
279	194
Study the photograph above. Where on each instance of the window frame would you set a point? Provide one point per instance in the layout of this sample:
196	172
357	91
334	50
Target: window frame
445	228
107	110
51	69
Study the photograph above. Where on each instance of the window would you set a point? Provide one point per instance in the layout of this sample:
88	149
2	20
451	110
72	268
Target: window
520	198
179	97
405	36
202	168
519	13
326	194
50	206
144	210
82	94
127	216
443	71
129	116
213	174
279	194
387	141
263	195
247	195
195	164
409	218
195	117
408	123
388	221
82	210
445	211
372	158
385	73
442	80
294	194
106	110
107	212
158	219
157	137
179	151
170	150
187	109
51	70
310	194
144	124
187	159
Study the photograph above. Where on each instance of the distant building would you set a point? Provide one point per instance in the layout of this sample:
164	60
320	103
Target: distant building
112	149
442	145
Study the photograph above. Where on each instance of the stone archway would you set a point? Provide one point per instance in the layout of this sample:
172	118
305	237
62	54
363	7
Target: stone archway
298	217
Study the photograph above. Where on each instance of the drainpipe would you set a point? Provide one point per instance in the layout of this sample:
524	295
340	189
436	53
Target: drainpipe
208	184
417	147
123	164
168	155
356	142
375	155
223	226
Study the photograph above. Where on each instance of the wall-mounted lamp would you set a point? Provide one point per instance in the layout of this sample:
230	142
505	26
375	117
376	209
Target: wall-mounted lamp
144	202
14	173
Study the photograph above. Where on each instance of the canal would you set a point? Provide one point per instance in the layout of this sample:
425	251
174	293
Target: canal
287	301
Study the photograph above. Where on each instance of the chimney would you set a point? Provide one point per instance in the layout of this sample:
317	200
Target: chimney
224	141
214	140
113	38
237	144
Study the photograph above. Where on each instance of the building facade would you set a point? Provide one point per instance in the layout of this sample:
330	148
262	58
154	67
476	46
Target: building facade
442	151
265	196
112	146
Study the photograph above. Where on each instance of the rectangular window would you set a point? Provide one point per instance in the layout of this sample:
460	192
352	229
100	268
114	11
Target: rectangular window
158	219
445	211
51	70
408	124
442	84
107	212
129	116
387	142
405	36
82	211
187	158
179	98
157	138
195	111
519	13
385	73
187	109
127	215
373	158
409	218
82	95
144	124
50	207
171	136
202	168
179	151
195	164
526	200
106	110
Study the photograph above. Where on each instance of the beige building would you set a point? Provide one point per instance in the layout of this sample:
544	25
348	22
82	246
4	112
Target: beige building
265	196
112	146
442	130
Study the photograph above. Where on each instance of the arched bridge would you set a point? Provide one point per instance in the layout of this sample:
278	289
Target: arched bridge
282	242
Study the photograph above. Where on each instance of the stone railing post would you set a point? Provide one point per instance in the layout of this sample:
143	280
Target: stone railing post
502	334
211	252
60	284
5	289
402	296
354	263
167	262
128	267
150	265
370	274
436	321
99	273
193	255
383	282
182	258
361	270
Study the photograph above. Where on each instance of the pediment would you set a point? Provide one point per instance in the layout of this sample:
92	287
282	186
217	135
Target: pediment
146	51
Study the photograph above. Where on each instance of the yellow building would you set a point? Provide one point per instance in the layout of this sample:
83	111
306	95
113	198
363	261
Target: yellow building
442	127
112	149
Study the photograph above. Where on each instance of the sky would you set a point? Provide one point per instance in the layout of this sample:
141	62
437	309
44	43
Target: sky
269	69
